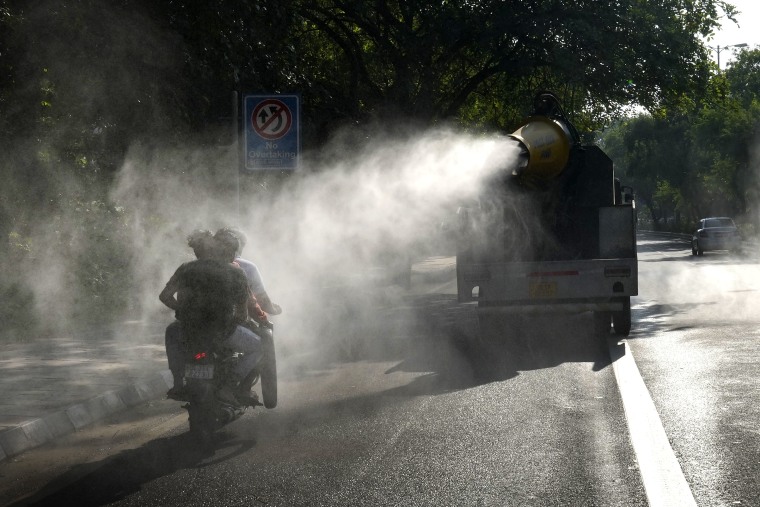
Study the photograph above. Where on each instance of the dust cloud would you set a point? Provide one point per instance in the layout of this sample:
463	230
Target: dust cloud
85	80
328	239
720	287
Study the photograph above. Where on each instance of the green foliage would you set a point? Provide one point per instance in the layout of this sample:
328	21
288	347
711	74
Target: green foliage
743	77
458	59
77	263
17	315
696	159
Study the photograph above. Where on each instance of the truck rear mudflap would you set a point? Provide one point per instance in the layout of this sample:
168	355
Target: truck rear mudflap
579	285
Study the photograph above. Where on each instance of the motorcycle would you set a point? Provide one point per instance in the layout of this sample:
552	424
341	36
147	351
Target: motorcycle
209	368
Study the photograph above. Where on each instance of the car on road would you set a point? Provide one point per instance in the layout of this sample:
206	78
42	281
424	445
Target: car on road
715	233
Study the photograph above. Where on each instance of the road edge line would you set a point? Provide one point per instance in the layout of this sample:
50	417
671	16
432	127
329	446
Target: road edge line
661	473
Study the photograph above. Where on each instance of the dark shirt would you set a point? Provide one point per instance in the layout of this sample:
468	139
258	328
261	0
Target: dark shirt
208	294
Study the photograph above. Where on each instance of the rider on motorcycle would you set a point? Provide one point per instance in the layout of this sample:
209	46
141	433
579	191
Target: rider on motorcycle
211	304
202	243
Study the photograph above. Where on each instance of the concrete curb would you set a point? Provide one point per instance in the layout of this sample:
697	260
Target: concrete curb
39	431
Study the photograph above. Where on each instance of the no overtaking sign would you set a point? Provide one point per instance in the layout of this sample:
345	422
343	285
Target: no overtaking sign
272	134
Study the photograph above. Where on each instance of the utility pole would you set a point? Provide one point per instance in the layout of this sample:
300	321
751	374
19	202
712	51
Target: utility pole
719	48
236	159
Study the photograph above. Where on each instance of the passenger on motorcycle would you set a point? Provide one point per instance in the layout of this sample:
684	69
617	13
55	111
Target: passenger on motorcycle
211	304
255	281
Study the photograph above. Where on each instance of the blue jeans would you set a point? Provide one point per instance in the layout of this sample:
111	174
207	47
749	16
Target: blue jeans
175	352
249	343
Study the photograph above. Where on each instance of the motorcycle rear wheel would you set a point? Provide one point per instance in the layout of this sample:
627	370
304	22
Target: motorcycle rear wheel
268	371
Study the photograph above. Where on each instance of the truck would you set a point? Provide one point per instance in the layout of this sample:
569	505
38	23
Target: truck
553	231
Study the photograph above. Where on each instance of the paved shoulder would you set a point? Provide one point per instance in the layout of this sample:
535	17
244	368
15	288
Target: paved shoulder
54	386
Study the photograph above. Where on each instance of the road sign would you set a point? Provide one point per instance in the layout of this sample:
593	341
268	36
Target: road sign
272	131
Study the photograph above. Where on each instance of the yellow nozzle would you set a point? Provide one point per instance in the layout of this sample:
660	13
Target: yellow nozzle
547	143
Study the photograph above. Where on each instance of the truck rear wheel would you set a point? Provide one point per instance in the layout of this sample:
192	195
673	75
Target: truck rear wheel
621	320
602	324
602	321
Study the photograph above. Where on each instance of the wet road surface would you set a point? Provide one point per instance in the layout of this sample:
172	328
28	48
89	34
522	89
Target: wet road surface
697	345
403	413
409	421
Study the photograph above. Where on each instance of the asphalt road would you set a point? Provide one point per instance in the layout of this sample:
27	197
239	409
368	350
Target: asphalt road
697	346
400	412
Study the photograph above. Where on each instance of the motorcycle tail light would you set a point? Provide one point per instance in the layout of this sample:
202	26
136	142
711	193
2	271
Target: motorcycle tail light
200	355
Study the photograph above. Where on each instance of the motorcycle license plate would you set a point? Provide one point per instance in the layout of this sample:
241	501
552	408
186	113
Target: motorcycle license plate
539	290
199	371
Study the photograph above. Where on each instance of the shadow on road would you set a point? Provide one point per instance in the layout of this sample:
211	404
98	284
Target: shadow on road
449	348
650	319
459	350
434	334
668	244
114	478
448	361
663	246
508	344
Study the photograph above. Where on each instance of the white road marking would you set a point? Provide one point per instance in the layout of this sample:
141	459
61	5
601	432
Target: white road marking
661	473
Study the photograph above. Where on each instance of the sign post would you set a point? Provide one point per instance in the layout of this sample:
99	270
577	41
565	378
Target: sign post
271	126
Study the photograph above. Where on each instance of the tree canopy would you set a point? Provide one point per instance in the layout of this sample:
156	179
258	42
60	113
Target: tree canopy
136	64
453	59
698	159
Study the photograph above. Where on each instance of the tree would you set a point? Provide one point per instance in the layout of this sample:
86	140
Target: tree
437	61
698	156
743	77
651	153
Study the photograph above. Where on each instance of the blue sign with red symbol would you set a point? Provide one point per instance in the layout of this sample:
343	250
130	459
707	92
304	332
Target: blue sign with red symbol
272	131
